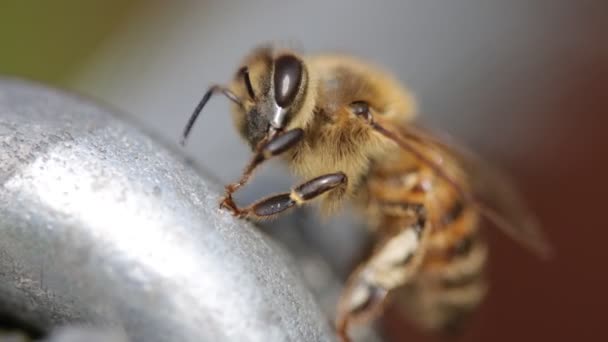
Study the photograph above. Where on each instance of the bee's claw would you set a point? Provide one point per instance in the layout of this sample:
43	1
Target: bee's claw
228	204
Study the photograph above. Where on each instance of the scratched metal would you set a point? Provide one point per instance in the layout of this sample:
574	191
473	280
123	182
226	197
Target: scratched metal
99	224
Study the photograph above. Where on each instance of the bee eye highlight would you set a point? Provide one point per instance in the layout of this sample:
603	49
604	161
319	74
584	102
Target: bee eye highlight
245	72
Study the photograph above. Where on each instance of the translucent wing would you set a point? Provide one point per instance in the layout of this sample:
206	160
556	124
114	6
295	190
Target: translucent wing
489	190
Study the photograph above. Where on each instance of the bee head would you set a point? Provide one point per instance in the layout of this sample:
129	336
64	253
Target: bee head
275	87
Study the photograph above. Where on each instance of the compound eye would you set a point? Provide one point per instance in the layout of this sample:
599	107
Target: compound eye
287	79
244	72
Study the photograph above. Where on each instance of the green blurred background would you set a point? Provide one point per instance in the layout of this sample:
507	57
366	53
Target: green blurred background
50	40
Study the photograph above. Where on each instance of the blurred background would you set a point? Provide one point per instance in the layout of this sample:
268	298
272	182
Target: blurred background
523	83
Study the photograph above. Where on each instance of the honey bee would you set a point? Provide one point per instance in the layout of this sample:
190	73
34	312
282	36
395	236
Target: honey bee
346	127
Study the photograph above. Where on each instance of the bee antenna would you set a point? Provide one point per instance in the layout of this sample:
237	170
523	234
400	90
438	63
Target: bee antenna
212	90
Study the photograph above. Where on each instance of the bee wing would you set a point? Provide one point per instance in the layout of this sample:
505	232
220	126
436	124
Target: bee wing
492	192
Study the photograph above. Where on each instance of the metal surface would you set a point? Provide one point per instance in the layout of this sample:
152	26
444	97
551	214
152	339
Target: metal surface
99	224
85	334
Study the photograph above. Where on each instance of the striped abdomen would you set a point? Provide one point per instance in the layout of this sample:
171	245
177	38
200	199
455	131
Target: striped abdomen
448	281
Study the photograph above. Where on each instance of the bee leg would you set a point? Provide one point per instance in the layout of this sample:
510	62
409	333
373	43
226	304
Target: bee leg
393	264
264	151
303	193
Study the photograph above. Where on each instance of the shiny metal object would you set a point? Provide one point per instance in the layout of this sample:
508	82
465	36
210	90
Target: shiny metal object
100	224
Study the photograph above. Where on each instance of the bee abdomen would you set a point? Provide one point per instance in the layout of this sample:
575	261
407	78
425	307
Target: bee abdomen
450	286
456	210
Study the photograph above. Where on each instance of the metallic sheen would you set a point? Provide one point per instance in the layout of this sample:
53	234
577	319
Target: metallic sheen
278	115
100	224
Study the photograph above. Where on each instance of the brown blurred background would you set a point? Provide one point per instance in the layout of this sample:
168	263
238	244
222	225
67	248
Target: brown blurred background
562	171
524	83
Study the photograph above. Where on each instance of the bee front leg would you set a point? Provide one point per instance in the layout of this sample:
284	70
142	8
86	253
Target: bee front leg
264	151
303	193
394	263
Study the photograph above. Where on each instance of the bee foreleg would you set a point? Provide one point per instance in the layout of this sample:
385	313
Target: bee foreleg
300	195
393	264
265	150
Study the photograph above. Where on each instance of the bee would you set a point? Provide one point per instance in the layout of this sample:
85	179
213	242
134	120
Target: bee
346	127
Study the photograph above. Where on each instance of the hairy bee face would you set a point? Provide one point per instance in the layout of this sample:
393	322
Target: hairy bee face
275	87
256	127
